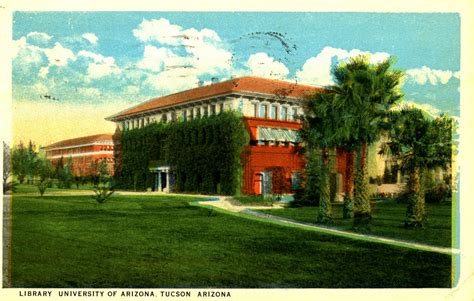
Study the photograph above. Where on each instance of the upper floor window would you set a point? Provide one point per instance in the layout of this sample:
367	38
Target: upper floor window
206	111
191	114
221	107
284	113
294	113
263	111
184	115
273	111
213	109
198	112
255	109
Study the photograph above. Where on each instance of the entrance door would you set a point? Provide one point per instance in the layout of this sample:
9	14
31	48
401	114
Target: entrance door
163	180
258	184
267	183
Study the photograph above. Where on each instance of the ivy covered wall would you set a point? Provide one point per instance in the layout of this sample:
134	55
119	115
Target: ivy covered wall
204	154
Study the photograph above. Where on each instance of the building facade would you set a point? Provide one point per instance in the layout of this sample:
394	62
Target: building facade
269	109
85	153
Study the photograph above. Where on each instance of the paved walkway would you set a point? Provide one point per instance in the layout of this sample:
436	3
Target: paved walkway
225	204
6	241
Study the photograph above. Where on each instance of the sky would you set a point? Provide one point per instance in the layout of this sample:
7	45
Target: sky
70	70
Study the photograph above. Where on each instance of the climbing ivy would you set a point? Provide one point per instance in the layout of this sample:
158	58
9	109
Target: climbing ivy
203	154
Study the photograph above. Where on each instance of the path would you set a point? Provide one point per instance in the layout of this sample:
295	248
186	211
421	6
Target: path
6	241
224	204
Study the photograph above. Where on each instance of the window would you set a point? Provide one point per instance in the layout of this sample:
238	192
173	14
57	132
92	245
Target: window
191	114
284	113
184	114
255	109
263	111
294	114
221	107
213	109
273	111
198	112
206	111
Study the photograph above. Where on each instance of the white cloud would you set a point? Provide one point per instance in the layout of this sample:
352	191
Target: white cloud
261	64
25	55
101	65
425	74
155	59
39	37
25	52
58	55
98	70
183	53
317	70
91	55
92	38
158	30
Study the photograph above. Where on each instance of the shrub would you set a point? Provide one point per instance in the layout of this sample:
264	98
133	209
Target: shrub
440	192
103	189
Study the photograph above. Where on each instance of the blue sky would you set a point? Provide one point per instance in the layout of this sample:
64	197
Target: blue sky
110	60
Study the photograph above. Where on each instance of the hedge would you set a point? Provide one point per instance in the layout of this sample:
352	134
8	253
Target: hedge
204	154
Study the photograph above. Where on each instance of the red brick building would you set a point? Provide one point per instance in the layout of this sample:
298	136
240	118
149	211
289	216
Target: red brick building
85	153
269	109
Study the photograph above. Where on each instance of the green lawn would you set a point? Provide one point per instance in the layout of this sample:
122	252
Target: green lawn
388	221
162	241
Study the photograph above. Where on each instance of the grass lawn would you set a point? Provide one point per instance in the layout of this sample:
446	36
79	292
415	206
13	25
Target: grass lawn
388	221
162	241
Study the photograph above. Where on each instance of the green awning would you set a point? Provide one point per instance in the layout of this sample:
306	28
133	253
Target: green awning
277	134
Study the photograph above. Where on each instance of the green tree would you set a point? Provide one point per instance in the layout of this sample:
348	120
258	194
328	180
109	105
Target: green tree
418	142
19	159
31	161
44	170
103	189
364	93
64	173
319	124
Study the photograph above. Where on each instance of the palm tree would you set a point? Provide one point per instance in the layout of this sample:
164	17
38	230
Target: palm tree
317	132
418	143
364	93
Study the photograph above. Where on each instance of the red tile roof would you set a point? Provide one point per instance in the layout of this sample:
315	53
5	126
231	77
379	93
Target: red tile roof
80	141
243	84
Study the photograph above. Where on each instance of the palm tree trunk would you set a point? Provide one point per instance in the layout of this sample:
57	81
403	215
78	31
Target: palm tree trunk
362	210
348	205
415	216
324	213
